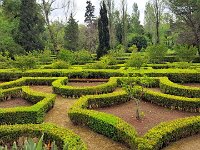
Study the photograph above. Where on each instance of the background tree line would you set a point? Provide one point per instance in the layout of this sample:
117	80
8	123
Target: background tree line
25	26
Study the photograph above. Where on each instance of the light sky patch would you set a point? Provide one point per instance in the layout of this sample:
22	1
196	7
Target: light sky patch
81	7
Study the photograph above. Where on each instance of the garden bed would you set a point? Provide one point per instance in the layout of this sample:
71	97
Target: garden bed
84	84
153	115
14	102
58	116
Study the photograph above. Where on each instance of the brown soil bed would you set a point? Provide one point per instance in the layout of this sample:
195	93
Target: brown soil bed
58	115
45	89
154	89
153	115
88	80
14	102
84	84
192	84
190	143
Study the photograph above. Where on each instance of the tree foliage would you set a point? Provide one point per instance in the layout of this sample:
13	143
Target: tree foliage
104	36
139	41
31	26
71	34
188	11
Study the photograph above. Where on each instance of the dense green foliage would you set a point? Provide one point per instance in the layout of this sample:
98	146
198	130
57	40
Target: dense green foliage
136	60
156	53
139	41
185	53
31	26
71	34
104	37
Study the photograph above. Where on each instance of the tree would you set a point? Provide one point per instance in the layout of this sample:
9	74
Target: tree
91	31
135	89
11	8
136	27
31	26
104	36
111	7
9	16
118	27
158	6
47	9
89	14
153	17
149	19
124	22
71	34
139	41
187	12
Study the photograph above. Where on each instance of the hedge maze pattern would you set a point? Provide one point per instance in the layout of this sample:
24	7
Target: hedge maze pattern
30	119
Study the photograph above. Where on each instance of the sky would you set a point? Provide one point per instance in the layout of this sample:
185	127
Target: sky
81	4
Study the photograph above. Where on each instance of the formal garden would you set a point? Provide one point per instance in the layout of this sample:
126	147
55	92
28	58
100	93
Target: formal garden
108	84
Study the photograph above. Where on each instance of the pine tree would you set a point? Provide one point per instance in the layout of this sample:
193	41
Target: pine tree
104	36
71	34
89	14
31	26
91	30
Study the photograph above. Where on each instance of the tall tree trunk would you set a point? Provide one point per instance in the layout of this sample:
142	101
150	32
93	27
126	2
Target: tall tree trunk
157	22
46	13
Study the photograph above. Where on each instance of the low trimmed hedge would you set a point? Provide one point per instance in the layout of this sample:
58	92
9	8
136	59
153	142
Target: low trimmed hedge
59	87
169	87
29	81
167	132
64	138
30	114
172	101
175	75
106	124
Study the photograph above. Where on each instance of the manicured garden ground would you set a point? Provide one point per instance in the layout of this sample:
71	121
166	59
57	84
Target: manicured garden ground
100	111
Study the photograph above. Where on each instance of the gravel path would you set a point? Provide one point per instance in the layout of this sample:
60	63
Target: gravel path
190	143
58	115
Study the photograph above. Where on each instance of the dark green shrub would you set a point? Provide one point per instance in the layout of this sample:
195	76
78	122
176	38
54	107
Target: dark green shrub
25	62
5	61
45	57
82	57
156	53
136	60
139	41
67	56
185	53
118	51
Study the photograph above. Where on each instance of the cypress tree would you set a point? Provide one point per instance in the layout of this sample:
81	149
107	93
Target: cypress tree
71	34
104	36
31	26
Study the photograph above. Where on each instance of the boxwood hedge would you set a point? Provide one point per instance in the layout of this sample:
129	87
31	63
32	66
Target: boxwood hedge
64	138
